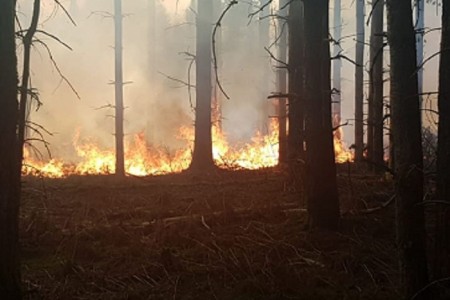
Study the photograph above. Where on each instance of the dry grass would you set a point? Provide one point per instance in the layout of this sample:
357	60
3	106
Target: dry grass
99	238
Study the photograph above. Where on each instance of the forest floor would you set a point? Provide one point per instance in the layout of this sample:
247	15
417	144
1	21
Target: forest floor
234	235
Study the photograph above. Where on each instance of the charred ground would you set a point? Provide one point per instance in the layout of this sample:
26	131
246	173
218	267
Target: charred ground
234	235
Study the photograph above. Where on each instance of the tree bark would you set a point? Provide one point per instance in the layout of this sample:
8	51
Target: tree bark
24	87
282	82
296	82
420	28
442	244
406	127
9	162
119	109
376	86
202	159
321	186
359	81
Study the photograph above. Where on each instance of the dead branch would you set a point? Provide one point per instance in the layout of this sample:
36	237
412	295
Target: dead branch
272	56
378	208
56	66
287	209
216	26
177	80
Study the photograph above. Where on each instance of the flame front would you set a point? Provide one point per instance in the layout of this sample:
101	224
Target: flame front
142	159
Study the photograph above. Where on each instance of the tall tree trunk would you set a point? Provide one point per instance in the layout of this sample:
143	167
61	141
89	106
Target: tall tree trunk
359	81
442	244
337	64
376	85
264	41
406	127
296	81
420	28
202	159
120	155
9	162
24	87
282	81
321	186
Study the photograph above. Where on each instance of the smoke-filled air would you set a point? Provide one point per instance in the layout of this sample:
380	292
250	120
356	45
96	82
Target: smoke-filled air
224	149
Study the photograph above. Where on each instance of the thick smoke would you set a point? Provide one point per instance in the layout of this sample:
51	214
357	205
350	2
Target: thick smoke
154	36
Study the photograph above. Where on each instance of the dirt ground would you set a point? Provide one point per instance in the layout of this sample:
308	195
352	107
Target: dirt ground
233	235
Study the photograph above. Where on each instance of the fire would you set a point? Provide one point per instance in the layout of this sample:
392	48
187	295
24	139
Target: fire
342	154
142	159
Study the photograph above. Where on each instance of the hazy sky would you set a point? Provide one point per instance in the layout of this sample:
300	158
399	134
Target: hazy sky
151	98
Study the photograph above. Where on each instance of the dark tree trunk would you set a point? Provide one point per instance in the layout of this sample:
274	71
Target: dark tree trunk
9	162
282	82
321	186
442	244
120	155
375	119
202	159
406	127
359	81
376	84
24	88
296	82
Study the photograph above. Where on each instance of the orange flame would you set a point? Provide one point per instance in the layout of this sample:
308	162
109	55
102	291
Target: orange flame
142	159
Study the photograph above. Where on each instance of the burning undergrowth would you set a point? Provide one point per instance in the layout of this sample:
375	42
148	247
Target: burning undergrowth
144	159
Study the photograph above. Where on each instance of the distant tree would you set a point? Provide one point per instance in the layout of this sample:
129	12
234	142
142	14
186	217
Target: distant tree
9	158
321	186
359	80
296	81
376	90
119	108
202	159
442	244
406	127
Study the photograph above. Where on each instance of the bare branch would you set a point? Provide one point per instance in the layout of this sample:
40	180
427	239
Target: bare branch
216	26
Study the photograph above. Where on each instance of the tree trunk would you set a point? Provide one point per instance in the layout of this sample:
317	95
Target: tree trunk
9	162
406	127
264	41
359	81
321	186
376	85
24	87
296	82
202	159
420	28
282	81
442	244
120	155
337	64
